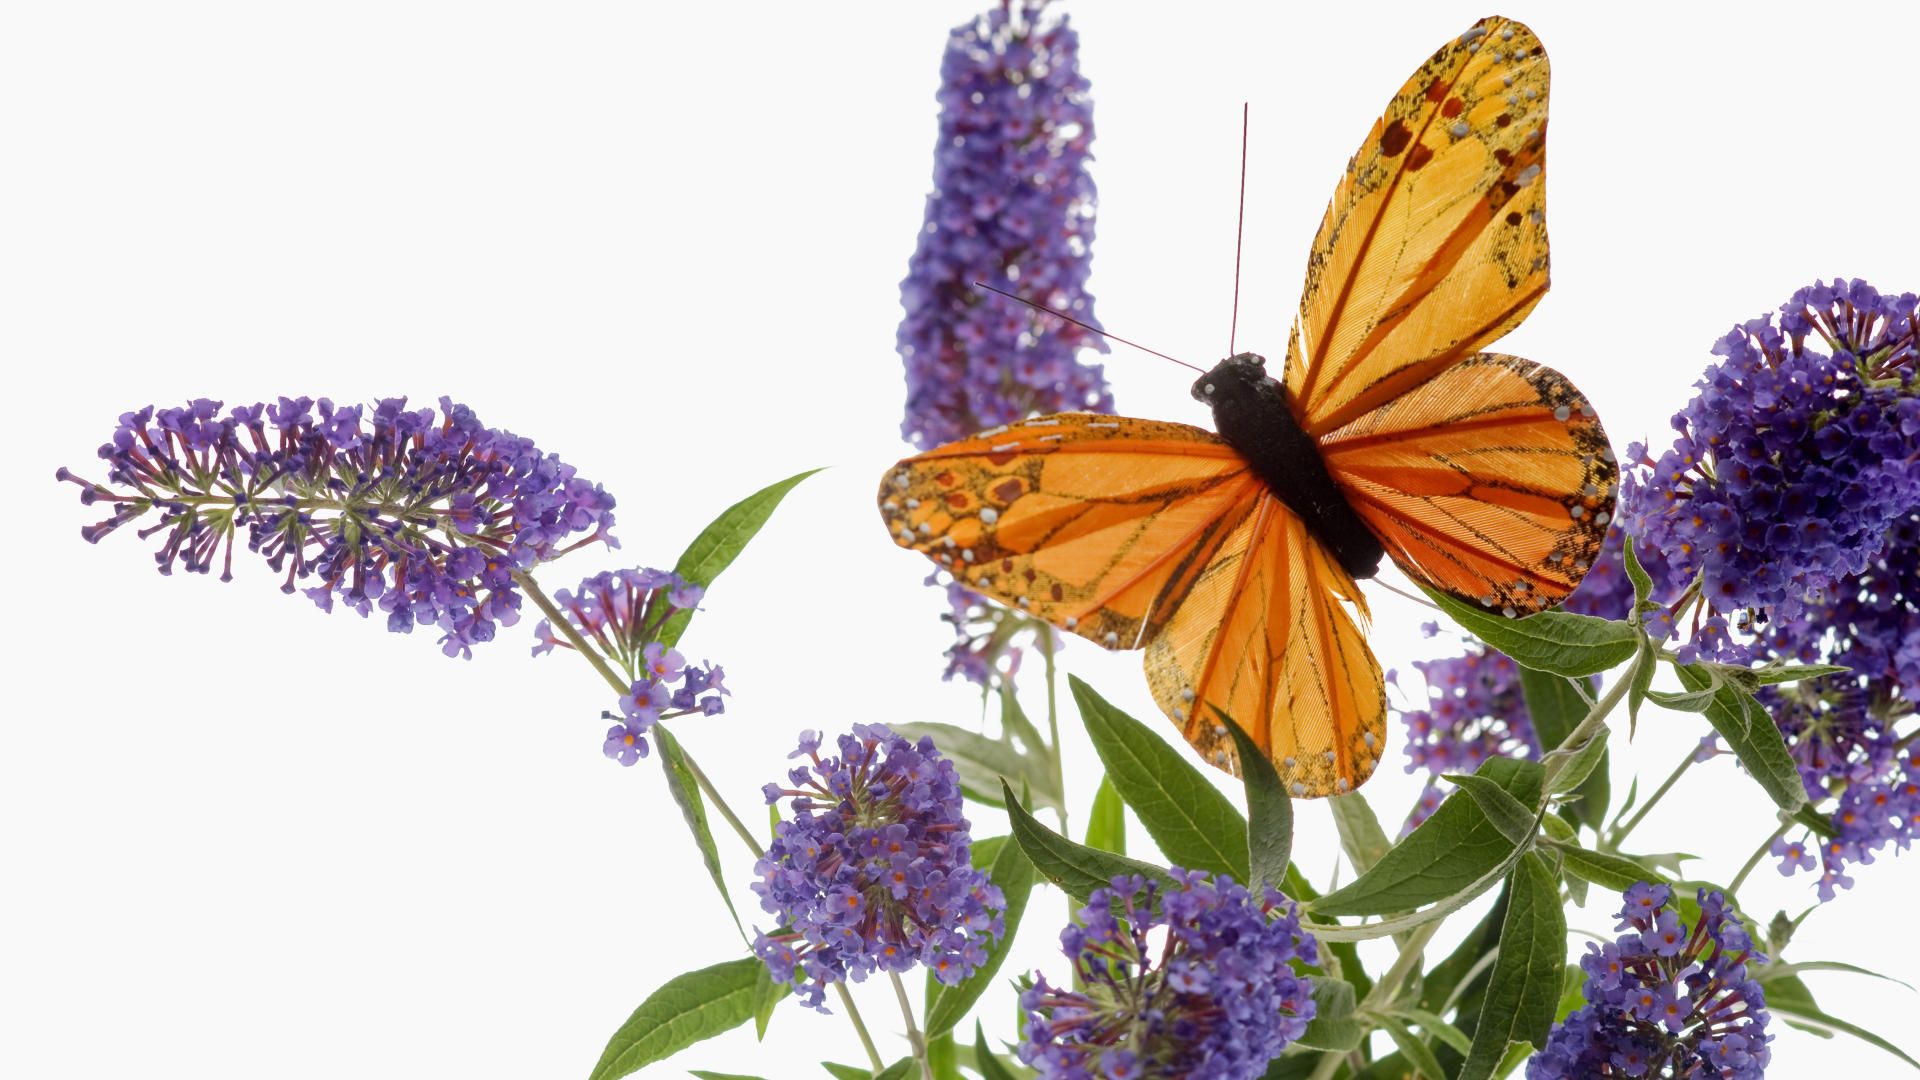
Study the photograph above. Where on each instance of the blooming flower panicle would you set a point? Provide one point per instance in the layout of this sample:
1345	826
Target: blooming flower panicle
425	518
1012	207
872	871
1665	999
1194	980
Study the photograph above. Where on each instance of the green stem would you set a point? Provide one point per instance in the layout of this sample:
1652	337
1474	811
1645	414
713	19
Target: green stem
1328	1065
1595	719
1047	647
1411	949
914	1038
1733	887
1620	831
860	1026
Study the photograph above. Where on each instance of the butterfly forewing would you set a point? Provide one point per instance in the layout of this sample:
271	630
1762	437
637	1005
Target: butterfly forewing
1265	636
1435	243
1492	481
1097	524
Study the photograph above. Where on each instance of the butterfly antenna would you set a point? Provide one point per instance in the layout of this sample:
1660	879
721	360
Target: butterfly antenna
1239	231
1084	326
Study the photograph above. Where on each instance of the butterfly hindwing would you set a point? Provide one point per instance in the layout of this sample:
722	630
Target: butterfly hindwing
1492	481
1097	524
1435	243
1266	637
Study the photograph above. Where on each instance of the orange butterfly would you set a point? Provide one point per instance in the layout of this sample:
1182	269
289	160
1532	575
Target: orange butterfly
1231	558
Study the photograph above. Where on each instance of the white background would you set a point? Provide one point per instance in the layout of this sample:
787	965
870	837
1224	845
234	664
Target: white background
242	838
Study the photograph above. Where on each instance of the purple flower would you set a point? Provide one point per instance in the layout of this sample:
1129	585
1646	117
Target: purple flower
1792	464
1663	1001
425	518
1012	207
1217	1000
872	872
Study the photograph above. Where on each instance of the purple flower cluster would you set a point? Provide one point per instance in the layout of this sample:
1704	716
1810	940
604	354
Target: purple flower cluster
1012	207
1217	1000
1792	463
872	872
1843	740
983	650
425	517
621	613
1663	1000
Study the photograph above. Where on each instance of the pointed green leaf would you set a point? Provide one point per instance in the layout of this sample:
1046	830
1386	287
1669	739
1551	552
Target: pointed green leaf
1578	764
899	1070
1013	721
1637	575
705	1075
1556	706
1009	869
1107	822
1075	868
1786	673
1555	641
691	1007
984	1059
1514	819
1333	1026
693	810
1752	735
1610	872
981	761
1693	701
1445	854
1525	986
766	995
1194	825
722	541
1413	1048
1767	972
1790	999
846	1072
1361	836
1437	1028
1269	812
1641	679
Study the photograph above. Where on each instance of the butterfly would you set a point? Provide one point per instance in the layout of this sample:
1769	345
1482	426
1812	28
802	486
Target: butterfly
1231	558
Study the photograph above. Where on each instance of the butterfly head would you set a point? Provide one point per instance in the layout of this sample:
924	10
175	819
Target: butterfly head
1233	377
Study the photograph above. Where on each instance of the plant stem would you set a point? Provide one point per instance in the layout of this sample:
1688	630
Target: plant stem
1621	830
1595	719
1733	887
1047	647
914	1038
860	1026
1411	949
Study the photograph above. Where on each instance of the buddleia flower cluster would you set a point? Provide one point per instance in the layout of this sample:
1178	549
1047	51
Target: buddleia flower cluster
1012	207
1194	980
423	517
872	871
621	613
1664	999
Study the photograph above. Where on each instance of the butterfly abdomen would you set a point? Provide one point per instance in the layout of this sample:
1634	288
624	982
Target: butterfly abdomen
1251	414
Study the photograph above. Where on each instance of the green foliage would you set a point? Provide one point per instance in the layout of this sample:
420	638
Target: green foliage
1075	868
1269	813
983	761
1553	641
1525	988
1107	821
723	540
1752	735
693	810
1010	869
691	1007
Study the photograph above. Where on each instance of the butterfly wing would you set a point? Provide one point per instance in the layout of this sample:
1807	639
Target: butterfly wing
1491	481
1097	524
1435	243
1265	636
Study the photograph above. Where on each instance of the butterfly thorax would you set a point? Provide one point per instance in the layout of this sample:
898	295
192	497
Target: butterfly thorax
1250	411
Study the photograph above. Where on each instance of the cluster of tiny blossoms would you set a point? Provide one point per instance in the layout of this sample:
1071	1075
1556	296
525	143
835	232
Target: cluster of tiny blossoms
1663	1000
426	518
872	872
1012	207
621	613
1217	999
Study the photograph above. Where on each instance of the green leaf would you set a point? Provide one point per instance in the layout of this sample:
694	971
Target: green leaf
896	1071
1786	673
847	1072
1075	868
722	541
1610	872
1579	764
1636	574
766	994
693	810
1269	813
1009	869
1445	854
1767	972
943	1057
705	1075
1361	836
1555	641
1517	1055
1556	706
691	1007
1333	1026
984	1058
1107	822
982	761
1515	821
1013	720
1821	824
1414	1049
1573	991
1693	701
1194	825
1641	677
1790	999
1525	986
1437	1028
1752	735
